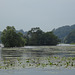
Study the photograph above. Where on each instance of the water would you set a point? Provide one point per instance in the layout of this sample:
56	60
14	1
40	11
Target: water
65	45
37	72
42	60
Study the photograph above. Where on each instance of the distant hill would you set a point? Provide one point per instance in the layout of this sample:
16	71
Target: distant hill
24	33
70	38
63	31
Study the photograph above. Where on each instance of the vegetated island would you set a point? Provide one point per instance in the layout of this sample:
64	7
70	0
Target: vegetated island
34	37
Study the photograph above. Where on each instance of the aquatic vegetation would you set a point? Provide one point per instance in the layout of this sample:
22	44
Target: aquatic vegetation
27	61
40	62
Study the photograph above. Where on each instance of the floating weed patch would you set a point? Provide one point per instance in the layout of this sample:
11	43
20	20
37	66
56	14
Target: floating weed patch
27	61
38	62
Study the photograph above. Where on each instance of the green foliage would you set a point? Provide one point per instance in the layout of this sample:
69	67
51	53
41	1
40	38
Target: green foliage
34	36
12	39
37	37
70	38
50	39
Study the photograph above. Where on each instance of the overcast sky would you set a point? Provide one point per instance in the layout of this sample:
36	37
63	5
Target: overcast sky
46	14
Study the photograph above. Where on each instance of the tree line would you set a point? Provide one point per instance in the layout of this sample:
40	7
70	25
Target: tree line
35	36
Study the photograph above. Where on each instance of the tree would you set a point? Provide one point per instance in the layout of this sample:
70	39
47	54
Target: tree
37	37
50	39
10	38
34	36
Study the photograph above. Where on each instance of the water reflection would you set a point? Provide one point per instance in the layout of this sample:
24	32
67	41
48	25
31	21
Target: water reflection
34	55
37	52
11	56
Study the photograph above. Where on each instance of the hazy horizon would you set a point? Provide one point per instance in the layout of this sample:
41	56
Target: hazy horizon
39	27
46	14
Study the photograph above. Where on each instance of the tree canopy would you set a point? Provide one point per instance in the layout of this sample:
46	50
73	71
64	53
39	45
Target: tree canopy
50	39
10	38
37	37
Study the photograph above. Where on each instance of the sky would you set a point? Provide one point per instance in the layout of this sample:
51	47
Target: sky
46	14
